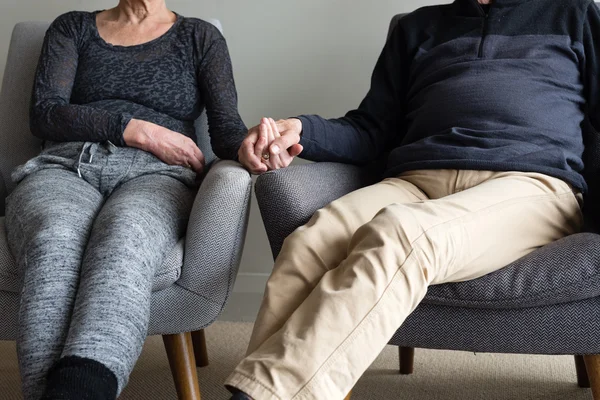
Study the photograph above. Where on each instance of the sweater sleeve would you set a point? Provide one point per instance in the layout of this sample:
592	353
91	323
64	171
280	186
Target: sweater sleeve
217	88
591	70
363	134
52	116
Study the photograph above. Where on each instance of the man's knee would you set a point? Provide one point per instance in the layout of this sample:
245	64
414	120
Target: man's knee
396	224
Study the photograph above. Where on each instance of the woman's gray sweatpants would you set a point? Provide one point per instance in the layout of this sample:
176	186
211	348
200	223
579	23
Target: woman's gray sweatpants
89	224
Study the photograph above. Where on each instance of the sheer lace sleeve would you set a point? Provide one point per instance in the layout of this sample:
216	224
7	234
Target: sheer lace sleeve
217	87
52	117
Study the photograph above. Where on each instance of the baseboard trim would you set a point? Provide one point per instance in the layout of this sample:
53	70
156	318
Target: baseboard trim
249	282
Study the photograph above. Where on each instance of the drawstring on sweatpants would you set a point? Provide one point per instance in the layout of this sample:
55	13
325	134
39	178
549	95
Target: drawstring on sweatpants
91	148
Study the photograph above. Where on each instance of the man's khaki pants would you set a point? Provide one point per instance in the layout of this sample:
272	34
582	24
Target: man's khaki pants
345	282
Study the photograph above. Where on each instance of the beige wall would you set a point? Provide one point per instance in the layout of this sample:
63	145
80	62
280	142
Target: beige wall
289	57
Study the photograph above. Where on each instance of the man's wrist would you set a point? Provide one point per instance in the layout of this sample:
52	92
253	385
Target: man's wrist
297	125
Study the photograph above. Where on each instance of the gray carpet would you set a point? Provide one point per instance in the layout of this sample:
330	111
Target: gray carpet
439	375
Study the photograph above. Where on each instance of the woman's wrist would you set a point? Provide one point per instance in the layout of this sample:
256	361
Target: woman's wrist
135	134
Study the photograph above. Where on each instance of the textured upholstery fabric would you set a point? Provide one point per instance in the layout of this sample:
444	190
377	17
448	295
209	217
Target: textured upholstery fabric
213	249
300	190
568	328
563	271
9	304
8	274
17	144
197	277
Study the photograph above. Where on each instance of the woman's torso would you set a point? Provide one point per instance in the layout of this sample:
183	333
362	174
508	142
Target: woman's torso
155	81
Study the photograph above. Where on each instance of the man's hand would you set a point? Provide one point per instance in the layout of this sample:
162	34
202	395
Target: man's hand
271	145
170	147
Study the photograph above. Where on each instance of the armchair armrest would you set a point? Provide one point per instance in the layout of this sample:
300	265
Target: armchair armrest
216	232
288	197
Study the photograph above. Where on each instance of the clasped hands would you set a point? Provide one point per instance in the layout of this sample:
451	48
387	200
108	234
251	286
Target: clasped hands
271	145
268	146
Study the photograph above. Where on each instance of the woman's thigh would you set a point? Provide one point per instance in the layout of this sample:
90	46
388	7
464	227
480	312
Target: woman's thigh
49	216
142	219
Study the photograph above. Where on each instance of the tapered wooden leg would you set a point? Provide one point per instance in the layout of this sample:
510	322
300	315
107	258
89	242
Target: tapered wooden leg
407	359
200	352
582	376
349	395
592	364
180	352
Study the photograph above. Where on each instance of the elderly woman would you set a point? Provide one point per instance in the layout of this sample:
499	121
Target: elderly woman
115	98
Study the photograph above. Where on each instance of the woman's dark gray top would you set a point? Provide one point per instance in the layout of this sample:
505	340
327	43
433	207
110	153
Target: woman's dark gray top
88	90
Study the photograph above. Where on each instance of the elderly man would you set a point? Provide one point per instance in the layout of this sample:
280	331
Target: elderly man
478	108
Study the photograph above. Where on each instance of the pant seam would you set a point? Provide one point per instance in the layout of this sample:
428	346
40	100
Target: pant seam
359	326
373	312
470	215
356	331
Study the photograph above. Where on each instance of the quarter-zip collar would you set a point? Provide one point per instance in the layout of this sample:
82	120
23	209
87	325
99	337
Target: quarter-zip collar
472	8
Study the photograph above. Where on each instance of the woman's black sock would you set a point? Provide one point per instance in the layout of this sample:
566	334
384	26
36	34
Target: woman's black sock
76	378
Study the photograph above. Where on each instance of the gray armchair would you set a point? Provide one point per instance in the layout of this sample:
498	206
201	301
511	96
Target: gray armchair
546	303
193	285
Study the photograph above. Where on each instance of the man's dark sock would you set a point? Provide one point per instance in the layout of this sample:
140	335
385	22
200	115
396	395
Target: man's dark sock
77	378
240	396
237	393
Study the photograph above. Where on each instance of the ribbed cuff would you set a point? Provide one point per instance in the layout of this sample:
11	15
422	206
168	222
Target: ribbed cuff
117	138
306	138
77	378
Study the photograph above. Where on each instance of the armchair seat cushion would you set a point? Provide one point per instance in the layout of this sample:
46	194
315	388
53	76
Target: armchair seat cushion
168	273
564	271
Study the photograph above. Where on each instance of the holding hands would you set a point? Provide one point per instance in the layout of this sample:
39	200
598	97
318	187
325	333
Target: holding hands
271	145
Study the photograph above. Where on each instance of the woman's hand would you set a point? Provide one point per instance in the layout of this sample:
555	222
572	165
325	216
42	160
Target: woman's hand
262	151
170	147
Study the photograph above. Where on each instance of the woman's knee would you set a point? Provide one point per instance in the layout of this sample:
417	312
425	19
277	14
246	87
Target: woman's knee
48	232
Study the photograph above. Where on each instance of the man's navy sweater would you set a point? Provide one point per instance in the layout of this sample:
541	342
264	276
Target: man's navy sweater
458	88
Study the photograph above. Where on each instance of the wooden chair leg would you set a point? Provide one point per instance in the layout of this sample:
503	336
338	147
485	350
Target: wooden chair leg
407	360
180	352
582	376
200	352
592	364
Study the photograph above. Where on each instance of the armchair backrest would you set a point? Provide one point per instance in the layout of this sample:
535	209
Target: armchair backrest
17	144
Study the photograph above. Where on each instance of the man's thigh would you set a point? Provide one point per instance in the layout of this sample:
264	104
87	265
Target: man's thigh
331	228
486	227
